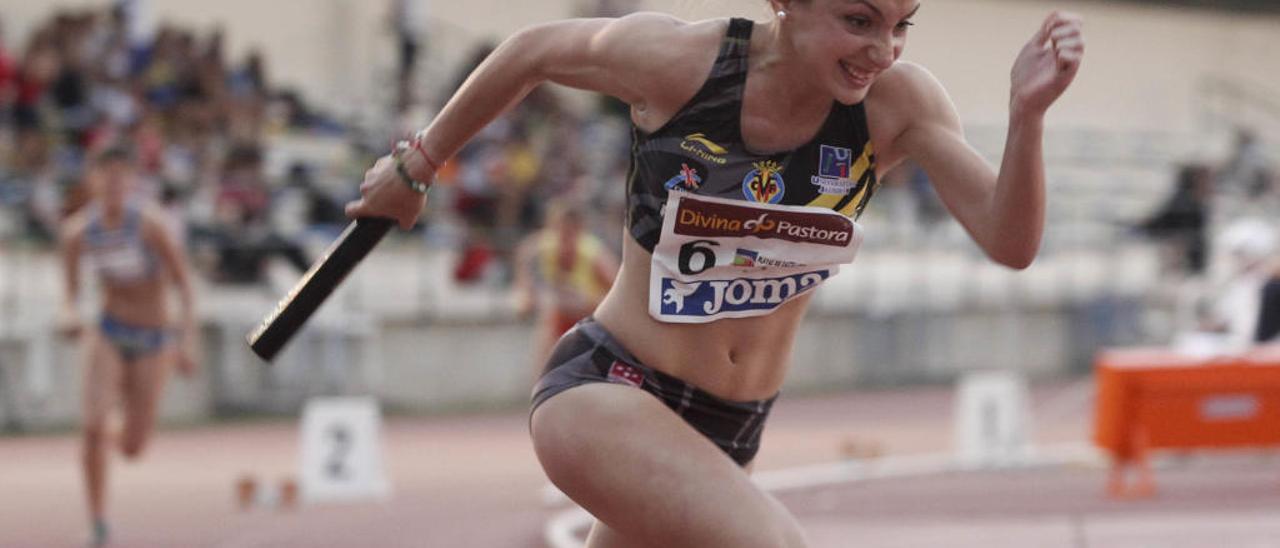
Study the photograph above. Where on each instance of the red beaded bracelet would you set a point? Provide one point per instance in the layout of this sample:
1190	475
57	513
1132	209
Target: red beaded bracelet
416	142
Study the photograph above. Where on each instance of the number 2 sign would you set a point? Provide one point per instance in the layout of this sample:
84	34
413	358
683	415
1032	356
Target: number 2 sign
341	455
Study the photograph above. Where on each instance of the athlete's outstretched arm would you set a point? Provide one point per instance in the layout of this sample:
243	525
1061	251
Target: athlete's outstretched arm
1003	212
601	55
522	284
70	243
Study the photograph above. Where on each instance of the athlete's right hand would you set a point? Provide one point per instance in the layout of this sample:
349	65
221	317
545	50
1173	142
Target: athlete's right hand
384	194
186	362
523	305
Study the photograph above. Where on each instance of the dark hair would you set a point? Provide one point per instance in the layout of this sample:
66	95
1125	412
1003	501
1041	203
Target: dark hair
243	155
113	154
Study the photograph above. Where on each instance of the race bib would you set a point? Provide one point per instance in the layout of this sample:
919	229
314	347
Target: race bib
719	258
122	262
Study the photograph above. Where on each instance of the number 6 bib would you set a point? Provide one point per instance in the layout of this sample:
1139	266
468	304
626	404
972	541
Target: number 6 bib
719	258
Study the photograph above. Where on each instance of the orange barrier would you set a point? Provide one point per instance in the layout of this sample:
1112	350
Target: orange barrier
1150	398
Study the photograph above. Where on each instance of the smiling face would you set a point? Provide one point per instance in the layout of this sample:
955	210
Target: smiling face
846	44
111	179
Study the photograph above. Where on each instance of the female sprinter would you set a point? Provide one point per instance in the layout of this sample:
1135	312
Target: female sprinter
755	148
130	349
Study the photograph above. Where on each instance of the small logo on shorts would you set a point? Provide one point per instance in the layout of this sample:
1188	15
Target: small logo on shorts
625	374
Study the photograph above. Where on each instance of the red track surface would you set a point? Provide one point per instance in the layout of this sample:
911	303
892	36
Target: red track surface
473	481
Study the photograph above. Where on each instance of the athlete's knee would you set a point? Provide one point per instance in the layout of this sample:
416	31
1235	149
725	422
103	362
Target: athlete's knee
784	528
791	535
94	437
133	445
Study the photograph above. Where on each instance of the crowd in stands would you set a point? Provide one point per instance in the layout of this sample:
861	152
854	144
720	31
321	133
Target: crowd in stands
200	126
1220	228
196	122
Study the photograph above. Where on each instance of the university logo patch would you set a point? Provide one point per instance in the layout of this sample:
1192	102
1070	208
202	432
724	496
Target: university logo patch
835	166
764	184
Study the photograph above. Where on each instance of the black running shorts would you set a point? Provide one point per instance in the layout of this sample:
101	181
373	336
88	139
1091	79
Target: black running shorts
588	353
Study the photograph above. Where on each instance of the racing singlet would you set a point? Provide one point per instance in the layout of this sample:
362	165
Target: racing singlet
119	255
734	233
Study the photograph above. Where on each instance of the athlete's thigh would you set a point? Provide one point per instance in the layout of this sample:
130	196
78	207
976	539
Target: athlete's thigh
102	381
601	536
144	384
651	478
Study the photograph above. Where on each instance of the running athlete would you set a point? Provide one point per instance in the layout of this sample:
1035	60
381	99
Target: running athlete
129	350
755	146
562	271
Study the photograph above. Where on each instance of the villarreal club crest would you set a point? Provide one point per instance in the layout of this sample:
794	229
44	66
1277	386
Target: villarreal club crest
764	184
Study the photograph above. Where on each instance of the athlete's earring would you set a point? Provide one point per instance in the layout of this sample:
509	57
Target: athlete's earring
782	15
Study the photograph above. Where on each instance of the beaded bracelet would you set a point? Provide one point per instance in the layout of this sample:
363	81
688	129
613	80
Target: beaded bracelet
417	186
416	143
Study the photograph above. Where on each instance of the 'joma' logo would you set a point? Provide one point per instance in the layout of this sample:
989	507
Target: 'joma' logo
716	296
678	291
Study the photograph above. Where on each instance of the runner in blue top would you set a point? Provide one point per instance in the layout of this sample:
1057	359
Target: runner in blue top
756	146
131	346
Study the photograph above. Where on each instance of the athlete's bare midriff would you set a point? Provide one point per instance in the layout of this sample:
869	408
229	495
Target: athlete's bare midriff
140	304
739	359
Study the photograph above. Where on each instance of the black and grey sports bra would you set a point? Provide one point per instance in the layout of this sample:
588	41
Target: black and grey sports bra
734	233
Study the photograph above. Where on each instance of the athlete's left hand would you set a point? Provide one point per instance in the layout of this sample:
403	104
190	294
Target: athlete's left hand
188	350
1048	63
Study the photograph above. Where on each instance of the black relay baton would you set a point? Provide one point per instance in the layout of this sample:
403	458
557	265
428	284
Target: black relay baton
316	285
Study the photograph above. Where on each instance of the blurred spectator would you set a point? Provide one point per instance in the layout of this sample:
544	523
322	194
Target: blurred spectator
242	234
1231	307
8	76
1248	171
929	211
1181	221
33	178
40	65
501	176
408	18
562	272
322	209
607	8
476	261
1269	311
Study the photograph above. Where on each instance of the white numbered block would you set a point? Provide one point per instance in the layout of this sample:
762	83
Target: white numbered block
992	418
341	454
